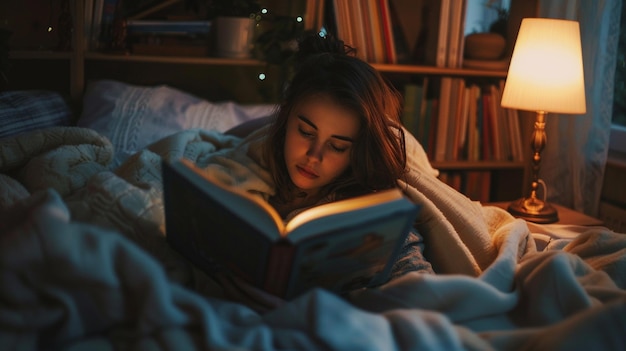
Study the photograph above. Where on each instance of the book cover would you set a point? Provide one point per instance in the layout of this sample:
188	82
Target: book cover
339	246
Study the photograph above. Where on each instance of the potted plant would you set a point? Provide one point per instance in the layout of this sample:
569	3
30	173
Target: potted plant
276	44
489	45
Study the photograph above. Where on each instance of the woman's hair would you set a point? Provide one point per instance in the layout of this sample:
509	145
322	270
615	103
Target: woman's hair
324	65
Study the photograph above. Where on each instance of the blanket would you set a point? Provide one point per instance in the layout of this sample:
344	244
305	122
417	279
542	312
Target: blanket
84	264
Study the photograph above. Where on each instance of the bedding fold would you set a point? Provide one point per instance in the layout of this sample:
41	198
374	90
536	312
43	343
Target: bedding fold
79	239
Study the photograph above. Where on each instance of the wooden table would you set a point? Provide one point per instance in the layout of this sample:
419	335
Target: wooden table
566	215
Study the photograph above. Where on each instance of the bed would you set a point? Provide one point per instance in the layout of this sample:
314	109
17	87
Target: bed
84	263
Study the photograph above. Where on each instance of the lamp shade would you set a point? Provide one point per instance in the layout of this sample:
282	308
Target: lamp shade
546	70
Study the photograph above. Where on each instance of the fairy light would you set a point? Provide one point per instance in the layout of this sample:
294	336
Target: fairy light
261	76
299	19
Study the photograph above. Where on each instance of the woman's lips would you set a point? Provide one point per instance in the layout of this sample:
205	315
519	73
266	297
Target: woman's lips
305	172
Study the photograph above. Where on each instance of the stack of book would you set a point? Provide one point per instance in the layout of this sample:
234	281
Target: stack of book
168	38
144	27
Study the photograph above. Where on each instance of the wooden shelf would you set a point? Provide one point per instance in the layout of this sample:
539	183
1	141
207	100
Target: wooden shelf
173	59
40	55
84	65
389	68
432	70
478	165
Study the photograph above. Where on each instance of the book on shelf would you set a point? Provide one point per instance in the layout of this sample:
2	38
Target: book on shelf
103	17
361	11
437	45
470	124
168	37
410	111
410	18
376	31
443	118
171	27
339	246
414	109
476	185
456	36
359	30
370	26
387	31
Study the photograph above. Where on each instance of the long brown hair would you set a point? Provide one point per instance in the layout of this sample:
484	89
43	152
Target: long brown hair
378	156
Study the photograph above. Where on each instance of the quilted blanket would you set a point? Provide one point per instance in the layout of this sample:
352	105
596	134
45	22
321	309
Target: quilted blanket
84	264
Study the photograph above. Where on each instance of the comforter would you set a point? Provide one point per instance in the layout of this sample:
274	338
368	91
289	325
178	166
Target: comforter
84	264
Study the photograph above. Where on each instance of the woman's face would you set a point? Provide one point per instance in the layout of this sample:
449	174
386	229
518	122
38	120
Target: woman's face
318	142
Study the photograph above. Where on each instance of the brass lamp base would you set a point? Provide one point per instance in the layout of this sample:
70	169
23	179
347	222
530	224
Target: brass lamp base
533	210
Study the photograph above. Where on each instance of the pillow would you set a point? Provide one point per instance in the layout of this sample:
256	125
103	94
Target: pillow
416	156
25	110
132	116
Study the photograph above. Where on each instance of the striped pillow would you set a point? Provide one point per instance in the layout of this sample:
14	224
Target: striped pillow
26	110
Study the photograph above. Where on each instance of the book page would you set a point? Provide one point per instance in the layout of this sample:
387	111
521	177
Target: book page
350	212
250	207
342	206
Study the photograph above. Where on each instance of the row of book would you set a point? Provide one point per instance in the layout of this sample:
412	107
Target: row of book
460	121
429	32
366	25
114	24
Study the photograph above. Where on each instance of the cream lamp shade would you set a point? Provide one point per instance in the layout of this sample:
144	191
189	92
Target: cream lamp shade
546	70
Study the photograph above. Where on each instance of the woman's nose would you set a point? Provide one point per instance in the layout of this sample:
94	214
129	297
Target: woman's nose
315	151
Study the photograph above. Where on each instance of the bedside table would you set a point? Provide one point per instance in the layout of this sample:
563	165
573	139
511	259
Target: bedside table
566	215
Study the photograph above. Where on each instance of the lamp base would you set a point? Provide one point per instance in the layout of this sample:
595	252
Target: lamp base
533	210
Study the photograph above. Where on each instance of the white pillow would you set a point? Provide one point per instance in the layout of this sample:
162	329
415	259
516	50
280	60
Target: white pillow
417	158
133	117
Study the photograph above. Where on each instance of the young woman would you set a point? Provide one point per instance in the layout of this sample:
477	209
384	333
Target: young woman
337	132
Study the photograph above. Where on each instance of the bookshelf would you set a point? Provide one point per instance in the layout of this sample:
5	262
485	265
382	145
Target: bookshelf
70	71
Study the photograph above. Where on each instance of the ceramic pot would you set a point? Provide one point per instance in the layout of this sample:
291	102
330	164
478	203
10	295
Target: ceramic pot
234	36
484	46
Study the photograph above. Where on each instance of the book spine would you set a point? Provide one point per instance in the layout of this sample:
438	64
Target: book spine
387	30
442	39
278	269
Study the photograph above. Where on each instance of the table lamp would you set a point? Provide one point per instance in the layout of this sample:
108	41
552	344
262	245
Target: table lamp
545	75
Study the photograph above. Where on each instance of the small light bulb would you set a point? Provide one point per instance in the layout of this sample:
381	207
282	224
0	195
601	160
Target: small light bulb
264	11
261	76
299	19
49	29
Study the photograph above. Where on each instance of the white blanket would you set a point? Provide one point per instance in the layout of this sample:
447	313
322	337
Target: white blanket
70	276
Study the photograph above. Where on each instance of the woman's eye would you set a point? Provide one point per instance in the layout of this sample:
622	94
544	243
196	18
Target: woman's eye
339	149
305	133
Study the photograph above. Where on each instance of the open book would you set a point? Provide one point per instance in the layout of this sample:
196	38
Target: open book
339	246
